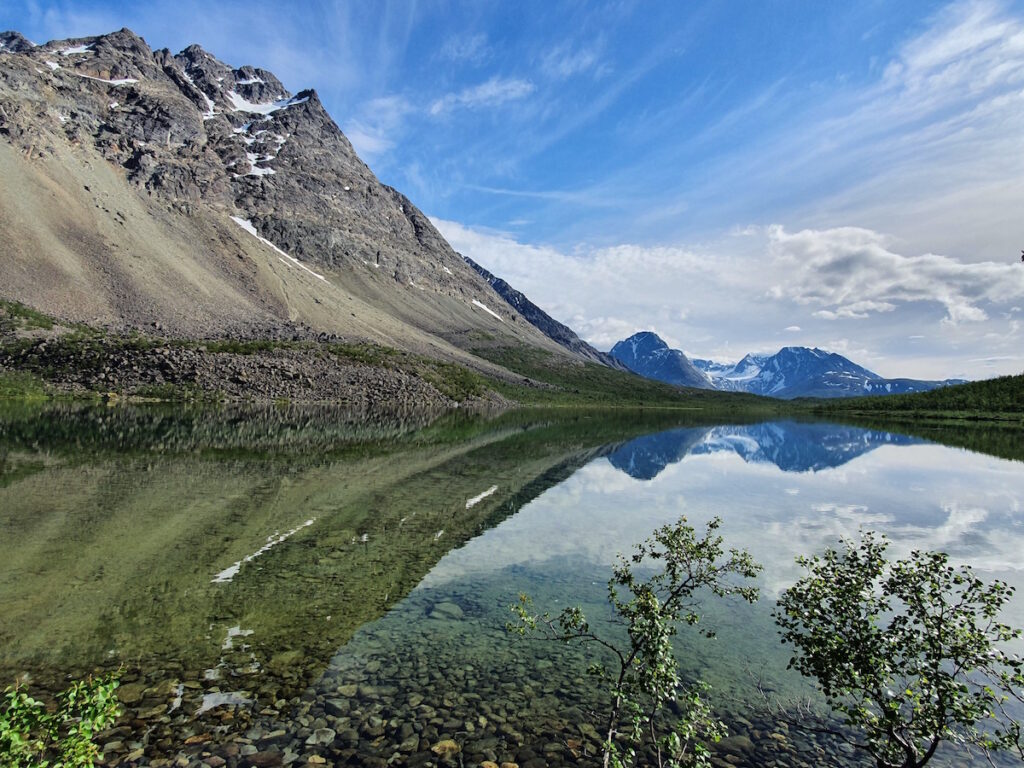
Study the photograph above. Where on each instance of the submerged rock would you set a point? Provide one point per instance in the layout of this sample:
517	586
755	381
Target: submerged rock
446	749
321	737
264	759
447	610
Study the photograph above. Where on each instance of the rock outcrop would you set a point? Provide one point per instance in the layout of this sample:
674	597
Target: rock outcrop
150	190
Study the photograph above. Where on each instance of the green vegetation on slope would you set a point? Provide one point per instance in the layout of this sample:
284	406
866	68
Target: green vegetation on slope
40	352
567	382
18	317
999	399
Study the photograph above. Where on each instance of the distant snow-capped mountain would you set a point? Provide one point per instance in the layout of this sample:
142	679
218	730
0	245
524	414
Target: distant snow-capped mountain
803	372
789	373
647	354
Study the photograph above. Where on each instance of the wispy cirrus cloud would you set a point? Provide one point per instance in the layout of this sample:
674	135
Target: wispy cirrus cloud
565	61
928	146
471	48
492	93
377	126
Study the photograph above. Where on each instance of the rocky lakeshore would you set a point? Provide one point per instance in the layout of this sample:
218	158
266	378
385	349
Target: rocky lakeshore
469	695
317	369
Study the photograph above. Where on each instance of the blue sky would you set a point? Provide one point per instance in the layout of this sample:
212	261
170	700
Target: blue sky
736	176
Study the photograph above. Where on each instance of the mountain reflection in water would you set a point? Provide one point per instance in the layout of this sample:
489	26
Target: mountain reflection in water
264	577
790	446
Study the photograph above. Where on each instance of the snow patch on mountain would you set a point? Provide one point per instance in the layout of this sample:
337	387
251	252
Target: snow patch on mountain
76	50
805	372
488	310
241	104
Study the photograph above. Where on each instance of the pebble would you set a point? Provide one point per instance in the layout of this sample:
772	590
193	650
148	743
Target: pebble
321	737
446	749
265	759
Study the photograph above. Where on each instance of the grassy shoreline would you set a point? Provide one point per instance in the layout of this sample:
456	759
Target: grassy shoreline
42	359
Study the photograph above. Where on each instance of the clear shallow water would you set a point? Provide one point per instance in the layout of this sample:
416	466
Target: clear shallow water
377	627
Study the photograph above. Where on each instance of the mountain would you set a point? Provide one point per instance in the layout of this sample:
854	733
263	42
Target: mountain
803	372
647	354
182	196
554	330
14	42
790	446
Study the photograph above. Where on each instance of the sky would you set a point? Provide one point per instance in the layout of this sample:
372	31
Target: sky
737	177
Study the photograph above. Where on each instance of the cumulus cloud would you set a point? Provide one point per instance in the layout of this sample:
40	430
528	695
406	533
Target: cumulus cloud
846	290
491	93
585	288
851	273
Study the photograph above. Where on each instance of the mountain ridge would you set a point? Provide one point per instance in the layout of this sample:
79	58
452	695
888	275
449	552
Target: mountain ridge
790	373
177	194
796	371
558	332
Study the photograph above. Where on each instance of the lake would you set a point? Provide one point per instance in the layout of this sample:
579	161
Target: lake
309	586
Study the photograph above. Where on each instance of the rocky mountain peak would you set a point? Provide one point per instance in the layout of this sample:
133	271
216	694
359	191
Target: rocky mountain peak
189	127
14	42
638	346
807	372
229	156
116	56
227	87
647	354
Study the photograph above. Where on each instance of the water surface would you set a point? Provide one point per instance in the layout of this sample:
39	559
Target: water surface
296	583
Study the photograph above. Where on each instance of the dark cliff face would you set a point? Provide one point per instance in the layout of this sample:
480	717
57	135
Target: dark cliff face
194	143
554	330
647	354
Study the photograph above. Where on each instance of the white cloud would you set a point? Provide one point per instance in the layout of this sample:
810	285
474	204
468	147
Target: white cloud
367	141
971	46
491	93
846	290
604	294
563	62
377	125
851	273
